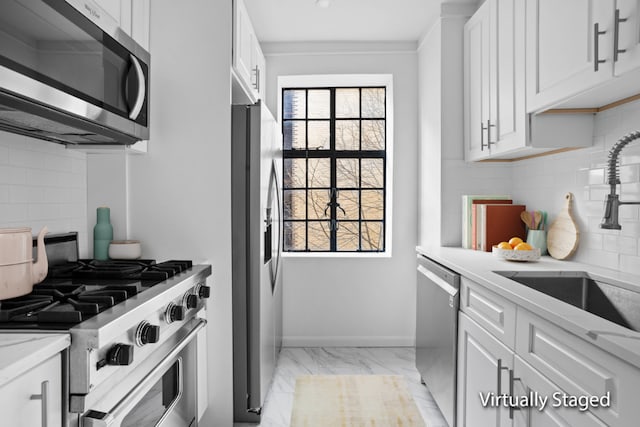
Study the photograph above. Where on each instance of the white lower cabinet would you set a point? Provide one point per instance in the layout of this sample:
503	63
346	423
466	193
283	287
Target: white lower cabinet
483	368
529	382
535	360
34	398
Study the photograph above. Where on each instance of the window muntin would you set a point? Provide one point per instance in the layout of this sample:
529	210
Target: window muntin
334	142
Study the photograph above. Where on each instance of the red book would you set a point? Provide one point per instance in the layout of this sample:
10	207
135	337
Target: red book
474	216
499	224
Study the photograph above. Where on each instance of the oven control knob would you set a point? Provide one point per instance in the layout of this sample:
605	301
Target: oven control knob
191	301
120	354
174	312
147	333
204	291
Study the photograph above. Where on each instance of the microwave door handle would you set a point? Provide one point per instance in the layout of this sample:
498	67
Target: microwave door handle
142	89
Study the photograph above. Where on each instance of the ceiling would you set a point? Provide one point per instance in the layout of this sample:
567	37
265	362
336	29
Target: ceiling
343	20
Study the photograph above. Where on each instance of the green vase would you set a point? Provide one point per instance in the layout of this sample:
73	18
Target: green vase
102	234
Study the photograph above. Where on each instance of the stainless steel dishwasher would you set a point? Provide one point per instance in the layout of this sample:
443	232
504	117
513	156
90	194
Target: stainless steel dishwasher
436	332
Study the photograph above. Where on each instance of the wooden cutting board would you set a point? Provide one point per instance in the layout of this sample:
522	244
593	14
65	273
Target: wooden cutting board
563	235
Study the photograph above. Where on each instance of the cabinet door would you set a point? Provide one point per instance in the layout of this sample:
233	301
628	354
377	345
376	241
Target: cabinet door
507	129
483	364
628	36
140	15
243	43
529	381
477	83
19	409
561	48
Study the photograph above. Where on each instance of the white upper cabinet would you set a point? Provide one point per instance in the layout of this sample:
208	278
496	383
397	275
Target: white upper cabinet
132	17
575	47
477	83
627	33
248	59
496	121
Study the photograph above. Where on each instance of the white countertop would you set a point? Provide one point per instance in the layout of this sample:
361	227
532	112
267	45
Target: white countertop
20	352
480	266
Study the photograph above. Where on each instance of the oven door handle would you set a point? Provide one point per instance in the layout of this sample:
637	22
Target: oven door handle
142	89
115	417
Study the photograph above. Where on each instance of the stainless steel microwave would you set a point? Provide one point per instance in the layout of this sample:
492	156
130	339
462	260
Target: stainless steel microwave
70	75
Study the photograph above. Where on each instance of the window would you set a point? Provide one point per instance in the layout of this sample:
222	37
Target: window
335	162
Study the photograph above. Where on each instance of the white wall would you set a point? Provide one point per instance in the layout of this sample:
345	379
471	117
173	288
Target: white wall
542	182
42	183
444	175
180	190
357	301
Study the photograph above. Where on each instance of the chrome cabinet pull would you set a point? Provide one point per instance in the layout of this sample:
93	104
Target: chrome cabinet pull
512	379
44	402
482	144
489	126
256	72
616	36
499	372
596	48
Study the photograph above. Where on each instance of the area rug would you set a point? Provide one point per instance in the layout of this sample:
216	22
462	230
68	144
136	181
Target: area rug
353	401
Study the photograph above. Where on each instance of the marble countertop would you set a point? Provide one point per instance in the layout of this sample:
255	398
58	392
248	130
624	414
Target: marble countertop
19	352
480	267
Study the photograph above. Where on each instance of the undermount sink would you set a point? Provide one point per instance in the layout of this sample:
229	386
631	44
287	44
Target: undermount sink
608	301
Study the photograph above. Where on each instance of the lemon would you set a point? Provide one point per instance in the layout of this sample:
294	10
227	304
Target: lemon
504	245
523	247
515	241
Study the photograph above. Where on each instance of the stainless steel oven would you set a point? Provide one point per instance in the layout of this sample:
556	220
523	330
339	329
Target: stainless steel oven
70	75
162	391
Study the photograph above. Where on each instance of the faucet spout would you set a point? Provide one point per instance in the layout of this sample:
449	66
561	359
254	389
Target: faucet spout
610	219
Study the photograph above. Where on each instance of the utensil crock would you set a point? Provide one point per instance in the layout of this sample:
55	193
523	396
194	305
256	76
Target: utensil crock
18	272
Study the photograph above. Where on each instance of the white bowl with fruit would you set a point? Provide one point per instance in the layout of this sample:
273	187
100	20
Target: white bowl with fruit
516	250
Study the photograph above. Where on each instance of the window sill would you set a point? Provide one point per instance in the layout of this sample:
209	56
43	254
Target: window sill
336	255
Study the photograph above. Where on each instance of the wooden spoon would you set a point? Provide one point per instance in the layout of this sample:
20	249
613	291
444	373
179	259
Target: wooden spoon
526	218
537	218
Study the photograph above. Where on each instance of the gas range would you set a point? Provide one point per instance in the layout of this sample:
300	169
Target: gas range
76	291
128	320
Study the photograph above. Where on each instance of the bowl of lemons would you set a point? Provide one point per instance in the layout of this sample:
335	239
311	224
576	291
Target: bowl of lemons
516	250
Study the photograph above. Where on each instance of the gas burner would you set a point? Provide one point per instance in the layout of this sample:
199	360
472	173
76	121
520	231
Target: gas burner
146	271
62	305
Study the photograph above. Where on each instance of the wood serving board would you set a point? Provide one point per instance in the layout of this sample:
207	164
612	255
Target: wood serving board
563	235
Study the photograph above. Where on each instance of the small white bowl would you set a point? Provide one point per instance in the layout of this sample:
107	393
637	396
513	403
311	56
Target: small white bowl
513	255
125	249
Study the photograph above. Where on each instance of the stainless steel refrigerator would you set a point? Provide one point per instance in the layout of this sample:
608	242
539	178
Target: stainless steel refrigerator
256	272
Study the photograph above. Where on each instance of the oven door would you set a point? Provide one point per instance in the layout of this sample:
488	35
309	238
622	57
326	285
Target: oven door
167	396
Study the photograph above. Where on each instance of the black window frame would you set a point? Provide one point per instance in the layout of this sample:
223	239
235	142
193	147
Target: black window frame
333	155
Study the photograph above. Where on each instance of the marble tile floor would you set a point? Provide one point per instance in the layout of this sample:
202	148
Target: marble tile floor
295	361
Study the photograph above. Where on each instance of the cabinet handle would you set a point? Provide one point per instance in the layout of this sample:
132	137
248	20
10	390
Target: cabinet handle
44	398
512	379
489	126
500	369
596	49
256	71
616	36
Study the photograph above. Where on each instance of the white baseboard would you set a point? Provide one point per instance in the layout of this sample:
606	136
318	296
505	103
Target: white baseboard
374	341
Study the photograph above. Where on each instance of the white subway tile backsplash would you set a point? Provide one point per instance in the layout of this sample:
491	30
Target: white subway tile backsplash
584	173
630	264
12	175
42	183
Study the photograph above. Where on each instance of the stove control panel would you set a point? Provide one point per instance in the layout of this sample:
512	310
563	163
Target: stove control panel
174	312
147	333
